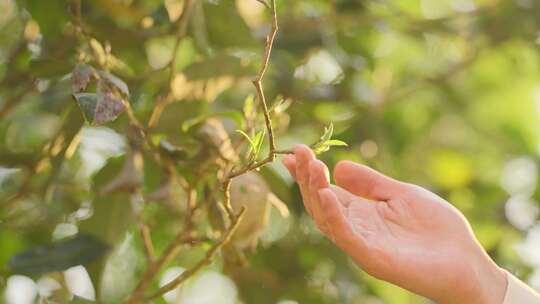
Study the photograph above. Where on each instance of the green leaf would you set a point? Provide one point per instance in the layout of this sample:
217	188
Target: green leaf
320	149
255	143
258	140
336	142
99	108
87	102
328	132
326	141
58	256
251	143
281	106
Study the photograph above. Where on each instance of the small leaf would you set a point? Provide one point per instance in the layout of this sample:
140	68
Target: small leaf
336	142
281	106
258	140
328	132
251	143
58	256
81	76
320	149
87	102
99	108
326	141
115	81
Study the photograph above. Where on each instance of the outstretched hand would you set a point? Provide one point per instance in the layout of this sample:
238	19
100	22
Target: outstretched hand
397	232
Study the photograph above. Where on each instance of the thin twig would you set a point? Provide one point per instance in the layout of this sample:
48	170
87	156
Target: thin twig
170	252
235	219
181	32
144	229
12	101
205	261
147	241
257	82
183	237
227	194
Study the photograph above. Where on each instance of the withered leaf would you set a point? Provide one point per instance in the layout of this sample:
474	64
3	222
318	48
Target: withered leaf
87	102
99	108
115	81
108	108
81	76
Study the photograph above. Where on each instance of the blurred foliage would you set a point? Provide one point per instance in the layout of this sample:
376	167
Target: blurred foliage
445	94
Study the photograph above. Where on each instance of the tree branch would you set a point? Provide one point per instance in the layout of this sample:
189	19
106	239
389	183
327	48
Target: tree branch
257	82
205	261
183	237
144	229
180	34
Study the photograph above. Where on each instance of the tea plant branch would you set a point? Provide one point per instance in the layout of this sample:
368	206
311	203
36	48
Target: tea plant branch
234	218
10	102
181	32
183	22
170	252
205	261
257	82
144	229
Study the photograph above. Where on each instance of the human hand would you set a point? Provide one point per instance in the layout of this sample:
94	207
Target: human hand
398	232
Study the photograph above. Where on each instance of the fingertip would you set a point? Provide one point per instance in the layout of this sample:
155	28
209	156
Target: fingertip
289	161
303	151
319	169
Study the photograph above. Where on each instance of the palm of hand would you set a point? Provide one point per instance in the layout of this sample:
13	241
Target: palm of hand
408	237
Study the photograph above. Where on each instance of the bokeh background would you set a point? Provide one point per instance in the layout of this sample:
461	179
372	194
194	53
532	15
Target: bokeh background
444	94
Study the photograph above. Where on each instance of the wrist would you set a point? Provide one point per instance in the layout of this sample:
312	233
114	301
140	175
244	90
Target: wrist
481	282
493	284
487	284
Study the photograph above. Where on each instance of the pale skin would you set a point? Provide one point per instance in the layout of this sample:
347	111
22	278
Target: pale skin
397	232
